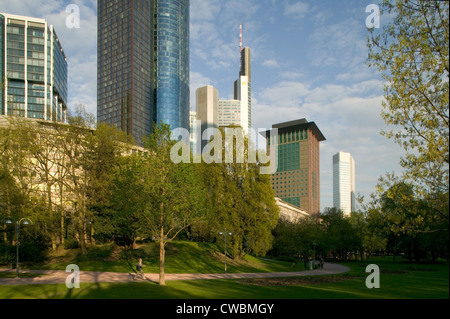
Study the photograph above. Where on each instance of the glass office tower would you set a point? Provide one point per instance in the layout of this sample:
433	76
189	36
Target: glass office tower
33	69
172	54
143	64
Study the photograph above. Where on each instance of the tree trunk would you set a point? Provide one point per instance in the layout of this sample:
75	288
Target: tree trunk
61	209
162	253
50	211
82	233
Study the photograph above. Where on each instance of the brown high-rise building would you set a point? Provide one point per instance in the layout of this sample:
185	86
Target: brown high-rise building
297	180
125	62
143	64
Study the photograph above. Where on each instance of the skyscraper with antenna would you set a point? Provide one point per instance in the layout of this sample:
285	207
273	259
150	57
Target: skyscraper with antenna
230	112
242	88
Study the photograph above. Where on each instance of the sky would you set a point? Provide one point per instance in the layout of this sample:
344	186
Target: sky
308	61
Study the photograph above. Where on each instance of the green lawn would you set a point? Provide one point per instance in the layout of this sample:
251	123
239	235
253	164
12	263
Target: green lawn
398	280
428	284
181	257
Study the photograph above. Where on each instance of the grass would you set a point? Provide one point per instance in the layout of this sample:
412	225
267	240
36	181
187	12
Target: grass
398	280
181	257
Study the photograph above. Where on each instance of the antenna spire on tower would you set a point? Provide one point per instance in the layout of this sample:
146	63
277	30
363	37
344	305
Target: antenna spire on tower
240	37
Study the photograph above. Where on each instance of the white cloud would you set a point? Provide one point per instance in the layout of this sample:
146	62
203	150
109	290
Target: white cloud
204	10
298	9
338	44
271	63
291	75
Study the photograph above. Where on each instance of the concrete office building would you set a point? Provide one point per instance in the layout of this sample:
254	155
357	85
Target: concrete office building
33	69
237	111
207	110
229	112
297	180
344	182
143	64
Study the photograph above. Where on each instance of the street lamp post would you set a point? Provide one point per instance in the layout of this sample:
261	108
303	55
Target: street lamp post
314	256
23	221
225	239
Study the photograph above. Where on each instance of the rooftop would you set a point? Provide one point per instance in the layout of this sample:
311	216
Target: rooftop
292	126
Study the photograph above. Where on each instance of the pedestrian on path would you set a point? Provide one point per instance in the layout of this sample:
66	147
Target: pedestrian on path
140	270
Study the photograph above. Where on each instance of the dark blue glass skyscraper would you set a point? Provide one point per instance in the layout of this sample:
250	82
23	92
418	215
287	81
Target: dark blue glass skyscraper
143	64
172	55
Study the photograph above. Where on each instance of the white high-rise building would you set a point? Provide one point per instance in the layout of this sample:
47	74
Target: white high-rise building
193	130
344	182
236	112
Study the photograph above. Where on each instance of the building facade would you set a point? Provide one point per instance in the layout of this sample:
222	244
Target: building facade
239	110
172	62
125	72
193	130
143	64
290	212
207	110
229	112
245	83
297	180
344	197
33	69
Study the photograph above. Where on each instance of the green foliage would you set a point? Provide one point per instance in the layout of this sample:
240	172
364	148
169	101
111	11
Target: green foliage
407	221
341	238
412	56
298	239
241	201
171	196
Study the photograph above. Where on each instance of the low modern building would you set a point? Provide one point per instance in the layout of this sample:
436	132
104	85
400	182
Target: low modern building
33	69
290	212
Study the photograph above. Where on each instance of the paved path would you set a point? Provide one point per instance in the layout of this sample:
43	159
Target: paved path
59	276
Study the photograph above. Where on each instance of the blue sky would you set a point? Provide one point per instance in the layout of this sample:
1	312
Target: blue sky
308	61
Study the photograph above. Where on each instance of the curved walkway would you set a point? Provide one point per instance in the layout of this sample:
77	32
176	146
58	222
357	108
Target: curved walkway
59	276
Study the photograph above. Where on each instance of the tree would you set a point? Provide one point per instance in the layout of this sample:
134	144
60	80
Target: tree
166	197
340	237
121	220
104	147
406	220
298	239
261	212
412	55
241	198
